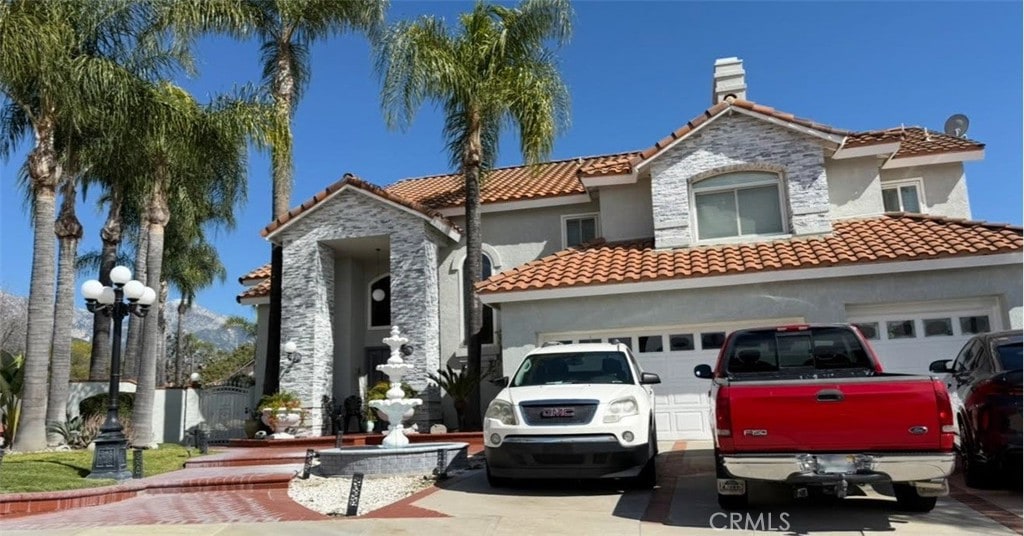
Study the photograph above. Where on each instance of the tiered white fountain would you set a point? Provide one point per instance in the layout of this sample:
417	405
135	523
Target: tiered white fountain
396	407
395	454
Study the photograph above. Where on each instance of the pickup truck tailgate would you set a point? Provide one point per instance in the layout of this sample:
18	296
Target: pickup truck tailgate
882	413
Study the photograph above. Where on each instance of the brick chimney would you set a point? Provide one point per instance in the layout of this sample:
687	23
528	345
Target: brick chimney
728	80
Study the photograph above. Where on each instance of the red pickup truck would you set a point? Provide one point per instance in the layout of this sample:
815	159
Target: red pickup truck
809	405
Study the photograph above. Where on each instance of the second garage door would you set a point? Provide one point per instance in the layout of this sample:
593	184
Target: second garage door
682	406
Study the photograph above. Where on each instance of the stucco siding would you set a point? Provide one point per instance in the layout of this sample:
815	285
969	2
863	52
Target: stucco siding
945	188
822	300
626	211
731	143
853	188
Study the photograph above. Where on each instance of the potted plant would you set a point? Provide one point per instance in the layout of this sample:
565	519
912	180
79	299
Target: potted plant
281	411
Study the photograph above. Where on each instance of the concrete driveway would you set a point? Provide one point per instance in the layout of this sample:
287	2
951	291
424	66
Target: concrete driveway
684	503
586	508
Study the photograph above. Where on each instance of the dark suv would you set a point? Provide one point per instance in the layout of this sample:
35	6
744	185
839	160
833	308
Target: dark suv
985	386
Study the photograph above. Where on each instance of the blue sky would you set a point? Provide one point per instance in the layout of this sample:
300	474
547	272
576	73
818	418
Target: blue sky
636	71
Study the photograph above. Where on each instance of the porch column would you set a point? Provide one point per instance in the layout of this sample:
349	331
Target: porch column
414	309
307	306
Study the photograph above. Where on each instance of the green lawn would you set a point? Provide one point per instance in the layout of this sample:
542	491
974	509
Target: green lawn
58	471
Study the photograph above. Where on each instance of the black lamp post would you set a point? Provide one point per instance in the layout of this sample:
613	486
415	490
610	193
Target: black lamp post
110	459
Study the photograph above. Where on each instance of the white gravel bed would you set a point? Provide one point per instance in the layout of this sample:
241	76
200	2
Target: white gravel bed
329	495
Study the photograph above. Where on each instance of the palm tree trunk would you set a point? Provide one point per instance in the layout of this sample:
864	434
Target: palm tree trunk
179	333
44	173
69	233
110	234
473	271
281	164
142	417
136	325
161	350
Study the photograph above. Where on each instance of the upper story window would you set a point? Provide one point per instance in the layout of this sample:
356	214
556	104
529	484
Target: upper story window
903	196
578	228
380	302
487	327
738	204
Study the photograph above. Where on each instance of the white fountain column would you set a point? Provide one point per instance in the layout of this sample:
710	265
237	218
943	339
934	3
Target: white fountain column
396	405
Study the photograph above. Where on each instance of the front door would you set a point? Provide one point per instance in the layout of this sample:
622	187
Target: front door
376	355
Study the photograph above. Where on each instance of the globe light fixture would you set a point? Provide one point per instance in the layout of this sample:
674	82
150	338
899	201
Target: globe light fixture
378	295
110	459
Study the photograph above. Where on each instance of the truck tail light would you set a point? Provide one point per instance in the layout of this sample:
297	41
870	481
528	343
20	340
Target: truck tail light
723	414
947	429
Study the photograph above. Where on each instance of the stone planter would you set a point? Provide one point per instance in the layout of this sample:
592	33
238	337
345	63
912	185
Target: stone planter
280	420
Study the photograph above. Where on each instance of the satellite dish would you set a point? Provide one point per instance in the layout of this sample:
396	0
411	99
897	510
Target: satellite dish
957	125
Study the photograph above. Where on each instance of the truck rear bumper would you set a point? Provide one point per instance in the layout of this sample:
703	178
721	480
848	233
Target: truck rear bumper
852	467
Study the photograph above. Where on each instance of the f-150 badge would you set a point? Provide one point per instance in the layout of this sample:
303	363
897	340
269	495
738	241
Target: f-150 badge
755	432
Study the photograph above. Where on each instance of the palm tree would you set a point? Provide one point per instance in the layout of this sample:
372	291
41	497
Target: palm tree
69	233
191	265
55	79
495	71
286	30
195	153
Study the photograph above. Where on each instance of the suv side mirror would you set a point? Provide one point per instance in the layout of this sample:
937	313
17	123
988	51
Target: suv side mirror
941	365
648	378
501	382
703	371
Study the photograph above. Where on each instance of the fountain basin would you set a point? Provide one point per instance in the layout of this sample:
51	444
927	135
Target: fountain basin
419	458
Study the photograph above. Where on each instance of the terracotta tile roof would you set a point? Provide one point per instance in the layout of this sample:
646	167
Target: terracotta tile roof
259	290
262	272
351	180
914	141
517	183
893	237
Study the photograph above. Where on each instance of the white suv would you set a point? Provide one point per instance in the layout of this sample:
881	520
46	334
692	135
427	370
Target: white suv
573	411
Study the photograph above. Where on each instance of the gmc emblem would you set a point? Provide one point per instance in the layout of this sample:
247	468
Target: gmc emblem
558	412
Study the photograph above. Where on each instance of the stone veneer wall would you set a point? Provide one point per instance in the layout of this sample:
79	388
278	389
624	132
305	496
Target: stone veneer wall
739	142
308	291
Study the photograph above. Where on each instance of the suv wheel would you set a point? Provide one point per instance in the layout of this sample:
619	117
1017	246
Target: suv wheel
908	499
497	481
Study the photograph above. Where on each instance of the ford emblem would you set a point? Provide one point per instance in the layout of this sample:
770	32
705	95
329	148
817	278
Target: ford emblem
558	412
918	430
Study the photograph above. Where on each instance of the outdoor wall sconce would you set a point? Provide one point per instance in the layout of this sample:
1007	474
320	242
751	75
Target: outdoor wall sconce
290	350
378	295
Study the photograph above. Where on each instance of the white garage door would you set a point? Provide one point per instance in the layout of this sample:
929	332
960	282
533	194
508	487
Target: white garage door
682	407
908	336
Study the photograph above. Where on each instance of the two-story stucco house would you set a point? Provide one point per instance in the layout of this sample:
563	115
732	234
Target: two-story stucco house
743	216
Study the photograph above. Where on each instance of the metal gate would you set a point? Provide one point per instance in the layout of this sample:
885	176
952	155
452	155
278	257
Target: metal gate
225	409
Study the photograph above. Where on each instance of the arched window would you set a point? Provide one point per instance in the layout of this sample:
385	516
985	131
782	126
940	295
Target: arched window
380	302
738	204
487	326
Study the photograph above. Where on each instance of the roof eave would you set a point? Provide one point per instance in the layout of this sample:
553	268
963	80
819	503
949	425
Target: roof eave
759	277
933	159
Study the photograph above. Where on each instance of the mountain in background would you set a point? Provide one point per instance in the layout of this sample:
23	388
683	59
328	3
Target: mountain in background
203	323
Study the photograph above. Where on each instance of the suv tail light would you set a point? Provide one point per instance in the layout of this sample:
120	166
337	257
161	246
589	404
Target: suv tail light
947	429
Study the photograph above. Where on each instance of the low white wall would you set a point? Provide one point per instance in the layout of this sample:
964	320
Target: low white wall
174	410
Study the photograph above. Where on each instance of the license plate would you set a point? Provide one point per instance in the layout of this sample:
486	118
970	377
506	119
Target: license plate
836	463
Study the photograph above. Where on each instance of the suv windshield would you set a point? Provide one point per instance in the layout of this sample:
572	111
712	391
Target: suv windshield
816	348
573	367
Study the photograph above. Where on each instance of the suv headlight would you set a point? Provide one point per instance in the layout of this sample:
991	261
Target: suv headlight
621	408
502	412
